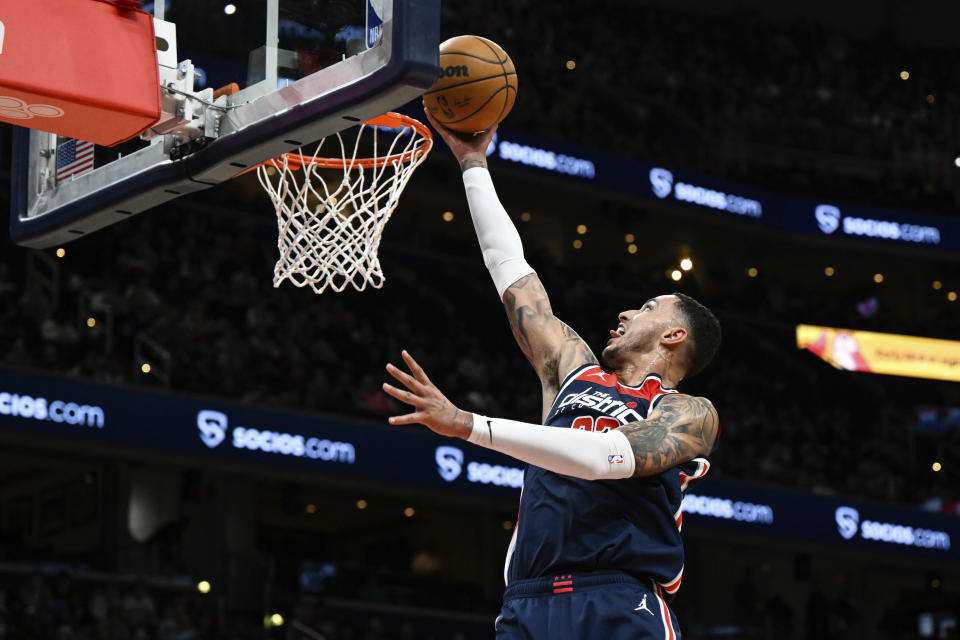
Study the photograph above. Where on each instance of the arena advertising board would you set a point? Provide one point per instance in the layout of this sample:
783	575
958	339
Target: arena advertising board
795	214
886	353
75	411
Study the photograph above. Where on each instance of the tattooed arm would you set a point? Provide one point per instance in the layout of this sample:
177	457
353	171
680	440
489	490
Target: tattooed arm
553	348
681	428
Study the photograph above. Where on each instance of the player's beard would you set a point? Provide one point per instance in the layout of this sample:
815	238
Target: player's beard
616	354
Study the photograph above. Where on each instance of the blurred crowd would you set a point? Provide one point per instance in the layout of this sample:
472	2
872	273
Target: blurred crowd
60	607
790	106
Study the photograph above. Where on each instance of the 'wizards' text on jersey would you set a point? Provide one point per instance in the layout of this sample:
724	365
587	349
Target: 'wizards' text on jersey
568	525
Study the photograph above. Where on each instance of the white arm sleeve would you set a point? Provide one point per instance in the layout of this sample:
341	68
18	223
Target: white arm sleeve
499	240
571	452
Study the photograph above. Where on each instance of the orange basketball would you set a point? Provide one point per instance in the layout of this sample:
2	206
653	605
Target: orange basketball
477	85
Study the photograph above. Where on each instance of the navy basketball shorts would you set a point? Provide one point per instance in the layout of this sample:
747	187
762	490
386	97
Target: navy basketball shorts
608	605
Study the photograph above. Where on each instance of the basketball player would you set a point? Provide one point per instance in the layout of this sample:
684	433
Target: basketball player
596	550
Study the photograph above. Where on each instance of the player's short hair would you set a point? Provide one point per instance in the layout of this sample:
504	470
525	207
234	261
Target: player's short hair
704	332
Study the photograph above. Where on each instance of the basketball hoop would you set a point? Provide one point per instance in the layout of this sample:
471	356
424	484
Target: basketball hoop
330	223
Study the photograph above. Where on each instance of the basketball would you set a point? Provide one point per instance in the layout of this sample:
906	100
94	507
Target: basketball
477	85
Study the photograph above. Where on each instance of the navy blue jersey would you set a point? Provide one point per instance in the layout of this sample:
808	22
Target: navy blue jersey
633	525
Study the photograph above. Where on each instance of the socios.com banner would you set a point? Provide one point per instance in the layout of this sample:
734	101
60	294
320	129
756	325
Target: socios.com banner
882	352
825	219
168	423
746	508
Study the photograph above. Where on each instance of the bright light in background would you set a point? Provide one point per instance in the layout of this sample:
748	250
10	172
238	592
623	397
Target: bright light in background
447	216
829	271
952	296
409	511
581	229
229	9
578	243
936	466
937	285
507	525
752	272
632	248
629	238
61	252
525	216
956	161
904	75
203	586
311	508
686	264
91	322
274	620
571	65
878	278
930	98
675	275
145	367
361	504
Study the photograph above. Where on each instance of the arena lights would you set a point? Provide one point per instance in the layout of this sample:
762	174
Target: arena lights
361	504
632	248
507	525
91	322
582	229
686	264
930	98
956	161
829	271
273	620
952	296
571	65
409	512
61	252
525	216
448	216
878	278
904	75
311	508
578	244
145	367
229	9
203	586
936	466
629	238
676	274
752	272
937	285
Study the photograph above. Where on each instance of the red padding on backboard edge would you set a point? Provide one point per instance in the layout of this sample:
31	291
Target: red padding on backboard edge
84	69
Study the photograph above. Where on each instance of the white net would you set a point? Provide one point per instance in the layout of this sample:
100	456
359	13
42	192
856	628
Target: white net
331	211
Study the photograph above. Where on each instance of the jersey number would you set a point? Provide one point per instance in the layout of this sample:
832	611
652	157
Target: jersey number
601	425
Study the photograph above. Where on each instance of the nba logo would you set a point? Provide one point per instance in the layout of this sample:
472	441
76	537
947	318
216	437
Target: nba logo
374	22
615	459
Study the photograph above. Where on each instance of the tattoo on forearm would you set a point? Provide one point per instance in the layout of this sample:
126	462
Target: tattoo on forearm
470	163
531	316
681	429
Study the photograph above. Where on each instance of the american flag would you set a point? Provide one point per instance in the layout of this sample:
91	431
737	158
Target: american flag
74	157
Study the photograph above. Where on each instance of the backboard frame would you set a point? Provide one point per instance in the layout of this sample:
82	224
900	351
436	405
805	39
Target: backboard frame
399	68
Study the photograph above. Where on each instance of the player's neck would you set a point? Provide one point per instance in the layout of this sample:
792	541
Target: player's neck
634	371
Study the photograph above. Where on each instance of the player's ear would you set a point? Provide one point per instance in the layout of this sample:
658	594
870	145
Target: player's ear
673	336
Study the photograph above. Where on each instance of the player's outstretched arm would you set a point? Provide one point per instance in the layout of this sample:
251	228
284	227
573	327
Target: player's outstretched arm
553	348
680	429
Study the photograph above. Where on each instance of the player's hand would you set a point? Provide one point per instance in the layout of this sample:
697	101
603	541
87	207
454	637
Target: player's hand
432	407
465	146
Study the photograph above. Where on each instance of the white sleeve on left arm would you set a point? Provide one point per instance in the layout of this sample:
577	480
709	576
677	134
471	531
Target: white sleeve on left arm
570	452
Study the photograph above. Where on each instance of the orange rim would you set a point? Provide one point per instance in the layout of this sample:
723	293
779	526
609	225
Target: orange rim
389	119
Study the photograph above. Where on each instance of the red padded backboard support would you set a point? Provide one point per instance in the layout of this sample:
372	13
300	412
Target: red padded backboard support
85	69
